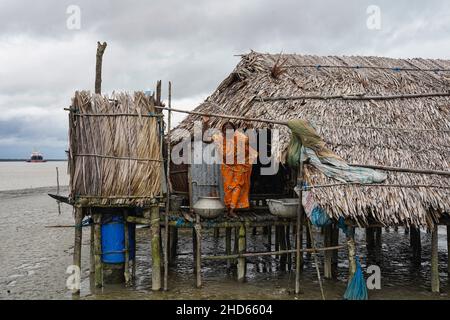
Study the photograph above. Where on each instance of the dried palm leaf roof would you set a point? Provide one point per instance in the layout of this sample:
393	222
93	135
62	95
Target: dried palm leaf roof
412	132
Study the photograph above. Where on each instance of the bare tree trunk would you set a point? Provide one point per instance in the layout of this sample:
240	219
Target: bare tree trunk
98	68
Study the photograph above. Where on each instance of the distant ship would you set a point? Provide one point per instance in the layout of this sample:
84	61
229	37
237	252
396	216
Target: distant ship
36	157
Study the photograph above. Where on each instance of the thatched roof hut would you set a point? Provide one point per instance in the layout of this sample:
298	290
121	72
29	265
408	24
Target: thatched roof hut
356	105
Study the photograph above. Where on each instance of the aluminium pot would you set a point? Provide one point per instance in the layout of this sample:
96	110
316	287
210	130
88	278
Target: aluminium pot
209	207
284	208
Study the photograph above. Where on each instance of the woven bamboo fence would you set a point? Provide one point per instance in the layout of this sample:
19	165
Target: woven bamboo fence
114	152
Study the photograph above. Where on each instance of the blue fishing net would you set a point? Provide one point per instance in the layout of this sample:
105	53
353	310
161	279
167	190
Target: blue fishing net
357	289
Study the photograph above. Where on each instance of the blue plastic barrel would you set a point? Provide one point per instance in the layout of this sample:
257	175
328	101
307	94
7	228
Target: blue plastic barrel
113	239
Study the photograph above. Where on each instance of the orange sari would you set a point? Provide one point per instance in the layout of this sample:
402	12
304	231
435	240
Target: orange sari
236	176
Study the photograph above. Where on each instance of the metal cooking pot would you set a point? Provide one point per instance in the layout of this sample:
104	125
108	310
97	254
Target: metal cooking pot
285	208
209	207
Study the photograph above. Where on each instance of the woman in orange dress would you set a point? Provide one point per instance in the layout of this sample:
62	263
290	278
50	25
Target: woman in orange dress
237	159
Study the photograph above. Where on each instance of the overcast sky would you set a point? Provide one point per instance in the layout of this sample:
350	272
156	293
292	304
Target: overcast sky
191	43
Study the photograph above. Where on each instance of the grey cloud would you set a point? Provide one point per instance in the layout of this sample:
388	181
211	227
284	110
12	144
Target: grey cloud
191	43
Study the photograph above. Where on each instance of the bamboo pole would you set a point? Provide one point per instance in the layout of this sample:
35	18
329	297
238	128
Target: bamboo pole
288	247
198	251
262	254
78	241
98	67
156	249
353	97
242	244
166	216
335	257
127	250
300	214
448	250
283	247
228	245
92	248
316	261
98	250
351	253
328	255
434	260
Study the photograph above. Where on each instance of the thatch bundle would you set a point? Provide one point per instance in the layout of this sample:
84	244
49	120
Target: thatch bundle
115	155
410	132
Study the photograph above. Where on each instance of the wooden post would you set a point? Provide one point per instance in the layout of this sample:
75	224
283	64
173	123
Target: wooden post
335	256
173	243
98	250
351	253
283	257
156	249
269	237
277	240
98	68
416	243
378	243
288	247
127	250
216	233
300	215
242	243
448	251
308	244
370	239
78	241
194	249
92	248
169	185
228	245
133	270
434	260
236	243
328	254
198	251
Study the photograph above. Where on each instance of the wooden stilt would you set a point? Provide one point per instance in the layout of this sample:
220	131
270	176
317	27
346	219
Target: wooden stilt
269	238
173	243
216	233
254	231
416	243
156	249
308	244
194	249
299	229
351	253
133	270
277	240
378	243
78	241
228	245
236	243
335	256
288	247
282	238
242	249
127	251
448	251
434	260
328	254
98	250
370	238
92	249
198	251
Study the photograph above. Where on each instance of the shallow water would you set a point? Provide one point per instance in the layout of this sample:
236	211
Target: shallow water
34	258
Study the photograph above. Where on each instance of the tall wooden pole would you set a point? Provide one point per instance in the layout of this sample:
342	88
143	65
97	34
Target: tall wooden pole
434	260
198	252
156	249
300	214
448	250
98	68
166	216
328	242
228	245
98	250
78	239
242	247
127	250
